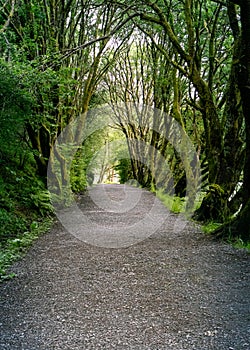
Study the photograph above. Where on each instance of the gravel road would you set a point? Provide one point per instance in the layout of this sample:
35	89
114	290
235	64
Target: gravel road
163	286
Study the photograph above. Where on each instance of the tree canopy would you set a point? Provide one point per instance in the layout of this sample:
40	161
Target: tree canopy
186	59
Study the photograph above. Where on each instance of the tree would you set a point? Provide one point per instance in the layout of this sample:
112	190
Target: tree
135	80
63	45
187	58
201	44
240	226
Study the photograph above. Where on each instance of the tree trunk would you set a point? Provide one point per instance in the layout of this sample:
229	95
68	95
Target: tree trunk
244	85
40	141
240	226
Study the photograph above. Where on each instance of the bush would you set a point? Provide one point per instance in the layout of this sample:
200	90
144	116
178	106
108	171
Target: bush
15	248
10	225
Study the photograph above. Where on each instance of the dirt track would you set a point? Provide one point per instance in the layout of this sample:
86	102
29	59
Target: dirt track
174	289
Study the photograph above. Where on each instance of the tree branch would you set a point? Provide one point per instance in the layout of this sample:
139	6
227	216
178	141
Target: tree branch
6	24
165	24
102	38
164	52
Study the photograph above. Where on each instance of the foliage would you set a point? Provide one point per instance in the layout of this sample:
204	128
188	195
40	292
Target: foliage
237	242
10	224
173	203
24	198
13	116
124	170
210	227
78	177
84	164
15	248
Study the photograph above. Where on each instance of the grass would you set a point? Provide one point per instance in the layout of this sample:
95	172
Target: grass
236	242
15	248
173	203
177	205
210	227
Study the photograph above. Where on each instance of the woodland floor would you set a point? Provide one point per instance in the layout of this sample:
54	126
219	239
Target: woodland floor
174	289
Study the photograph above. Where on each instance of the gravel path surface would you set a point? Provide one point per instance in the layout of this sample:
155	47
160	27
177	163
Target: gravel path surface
174	289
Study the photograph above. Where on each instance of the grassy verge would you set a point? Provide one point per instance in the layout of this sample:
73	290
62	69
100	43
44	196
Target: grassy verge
15	248
209	227
177	205
173	203
236	242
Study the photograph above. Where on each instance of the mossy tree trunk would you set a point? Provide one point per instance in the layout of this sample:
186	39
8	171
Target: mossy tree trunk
244	84
240	226
221	133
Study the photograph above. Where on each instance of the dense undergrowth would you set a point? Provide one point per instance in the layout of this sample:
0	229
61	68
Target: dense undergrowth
25	213
25	209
